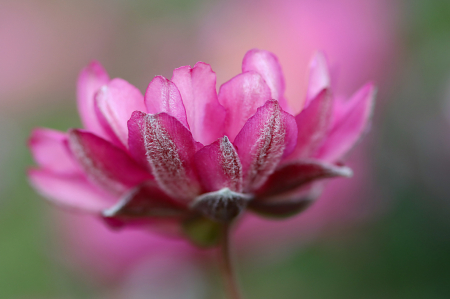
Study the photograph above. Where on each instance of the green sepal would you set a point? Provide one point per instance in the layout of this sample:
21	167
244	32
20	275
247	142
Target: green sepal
202	231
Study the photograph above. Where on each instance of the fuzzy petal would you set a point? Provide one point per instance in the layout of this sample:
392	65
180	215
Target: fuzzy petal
70	191
312	124
169	149
162	95
219	166
50	152
267	65
221	206
105	164
90	80
319	77
264	140
287	204
197	87
241	97
297	174
115	103
354	116
136	146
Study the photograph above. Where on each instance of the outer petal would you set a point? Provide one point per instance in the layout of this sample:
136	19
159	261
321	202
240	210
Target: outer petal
169	149
312	124
346	129
70	191
162	95
319	77
90	80
136	144
146	200
266	137
106	165
266	64
197	87
50	151
297	174
240	97
219	166
115	103
287	204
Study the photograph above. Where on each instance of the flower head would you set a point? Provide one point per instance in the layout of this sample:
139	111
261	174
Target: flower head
185	154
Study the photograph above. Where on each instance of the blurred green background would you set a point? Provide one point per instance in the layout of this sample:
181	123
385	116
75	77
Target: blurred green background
402	252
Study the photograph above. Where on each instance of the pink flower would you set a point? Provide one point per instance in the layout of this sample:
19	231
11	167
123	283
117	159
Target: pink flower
183	151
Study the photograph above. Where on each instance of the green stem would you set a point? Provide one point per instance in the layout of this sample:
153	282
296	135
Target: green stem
231	286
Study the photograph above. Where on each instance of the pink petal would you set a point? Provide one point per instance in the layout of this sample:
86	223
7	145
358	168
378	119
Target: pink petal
346	129
292	176
136	146
70	191
197	87
50	152
162	95
90	80
312	124
169	149
144	201
240	97
266	137
105	164
169	226
115	103
287	204
219	166
267	65
319	77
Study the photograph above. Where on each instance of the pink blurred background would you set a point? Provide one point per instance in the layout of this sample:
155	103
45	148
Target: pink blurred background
46	43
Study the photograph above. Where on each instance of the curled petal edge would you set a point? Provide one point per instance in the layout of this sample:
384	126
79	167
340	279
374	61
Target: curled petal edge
297	174
287	205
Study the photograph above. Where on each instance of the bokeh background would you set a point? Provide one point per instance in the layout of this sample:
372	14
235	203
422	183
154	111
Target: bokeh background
383	234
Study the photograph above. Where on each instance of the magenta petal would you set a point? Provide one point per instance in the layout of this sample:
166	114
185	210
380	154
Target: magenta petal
267	65
90	80
105	164
115	103
162	95
286	205
292	176
169	149
264	140
240	97
50	151
70	191
136	126
350	122
219	166
197	87
146	200
319	77
312	124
